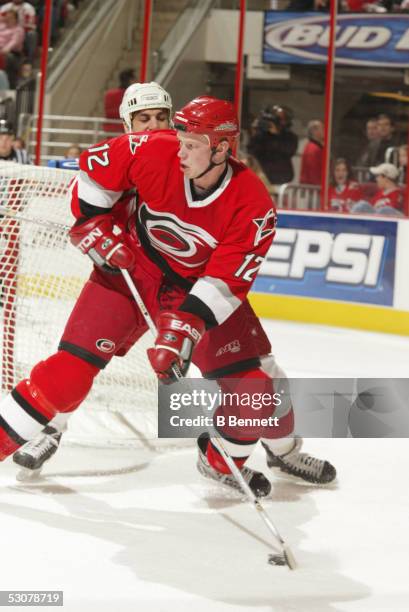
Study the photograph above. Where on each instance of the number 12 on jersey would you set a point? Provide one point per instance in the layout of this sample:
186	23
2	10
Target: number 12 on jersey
102	157
246	272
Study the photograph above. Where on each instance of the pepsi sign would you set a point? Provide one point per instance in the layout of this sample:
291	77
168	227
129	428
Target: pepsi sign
331	257
361	40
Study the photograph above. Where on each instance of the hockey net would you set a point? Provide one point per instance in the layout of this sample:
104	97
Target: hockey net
41	276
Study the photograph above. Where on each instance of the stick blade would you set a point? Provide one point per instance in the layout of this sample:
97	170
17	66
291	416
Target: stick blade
289	558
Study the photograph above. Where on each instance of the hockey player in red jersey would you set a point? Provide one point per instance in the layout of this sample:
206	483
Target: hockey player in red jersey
203	226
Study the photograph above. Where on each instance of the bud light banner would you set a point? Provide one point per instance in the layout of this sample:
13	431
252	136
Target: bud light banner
361	40
331	257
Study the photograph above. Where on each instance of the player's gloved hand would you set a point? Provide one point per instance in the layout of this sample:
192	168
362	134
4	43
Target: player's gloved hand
104	244
178	334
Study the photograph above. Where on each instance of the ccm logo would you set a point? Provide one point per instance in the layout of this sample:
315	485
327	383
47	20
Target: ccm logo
231	347
89	240
351	259
188	329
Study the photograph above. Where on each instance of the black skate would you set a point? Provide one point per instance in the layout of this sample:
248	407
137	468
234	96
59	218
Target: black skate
257	482
32	456
301	465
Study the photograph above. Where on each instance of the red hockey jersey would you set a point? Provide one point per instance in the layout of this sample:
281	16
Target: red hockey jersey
342	197
218	243
388	197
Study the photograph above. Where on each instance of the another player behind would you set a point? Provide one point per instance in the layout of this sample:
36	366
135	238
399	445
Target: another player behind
144	107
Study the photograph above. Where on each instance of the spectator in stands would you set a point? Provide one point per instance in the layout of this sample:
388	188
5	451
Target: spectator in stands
26	72
372	134
344	191
388	199
273	144
73	152
312	156
113	99
27	19
11	44
387	138
7	151
26	87
403	164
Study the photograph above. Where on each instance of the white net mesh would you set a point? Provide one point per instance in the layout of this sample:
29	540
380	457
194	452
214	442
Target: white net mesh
41	276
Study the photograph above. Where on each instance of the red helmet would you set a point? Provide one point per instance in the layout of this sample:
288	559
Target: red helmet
212	117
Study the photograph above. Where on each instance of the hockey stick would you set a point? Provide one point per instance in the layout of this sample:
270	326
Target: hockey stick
285	556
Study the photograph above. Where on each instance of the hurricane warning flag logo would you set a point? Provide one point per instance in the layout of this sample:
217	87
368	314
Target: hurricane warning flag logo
186	243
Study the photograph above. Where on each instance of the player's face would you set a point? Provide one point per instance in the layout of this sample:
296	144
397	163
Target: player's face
150	119
194	154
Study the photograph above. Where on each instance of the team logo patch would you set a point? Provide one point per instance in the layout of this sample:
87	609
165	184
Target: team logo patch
266	226
105	345
230	347
136	141
186	243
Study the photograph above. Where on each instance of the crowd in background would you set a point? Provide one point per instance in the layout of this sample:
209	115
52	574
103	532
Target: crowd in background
21	26
374	182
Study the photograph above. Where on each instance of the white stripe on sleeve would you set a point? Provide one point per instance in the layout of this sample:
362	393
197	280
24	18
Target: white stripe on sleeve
94	194
217	296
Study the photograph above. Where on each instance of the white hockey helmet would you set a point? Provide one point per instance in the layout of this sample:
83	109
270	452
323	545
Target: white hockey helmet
141	96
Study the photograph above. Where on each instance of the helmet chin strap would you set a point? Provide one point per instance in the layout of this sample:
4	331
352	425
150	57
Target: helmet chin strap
211	165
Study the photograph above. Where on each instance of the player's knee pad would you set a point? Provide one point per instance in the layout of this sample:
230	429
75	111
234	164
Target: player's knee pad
63	381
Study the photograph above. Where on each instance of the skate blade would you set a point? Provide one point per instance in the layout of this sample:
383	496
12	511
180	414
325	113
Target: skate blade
25	475
298	480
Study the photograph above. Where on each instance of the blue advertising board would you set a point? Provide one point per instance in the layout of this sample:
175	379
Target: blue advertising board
331	257
69	163
361	39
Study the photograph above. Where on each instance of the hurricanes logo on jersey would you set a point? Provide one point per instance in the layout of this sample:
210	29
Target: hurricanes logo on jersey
266	226
136	141
185	243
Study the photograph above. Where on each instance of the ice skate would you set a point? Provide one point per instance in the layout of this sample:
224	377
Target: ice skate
258	483
32	456
302	466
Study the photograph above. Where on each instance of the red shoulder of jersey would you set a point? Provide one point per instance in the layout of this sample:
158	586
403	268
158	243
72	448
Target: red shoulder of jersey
125	161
